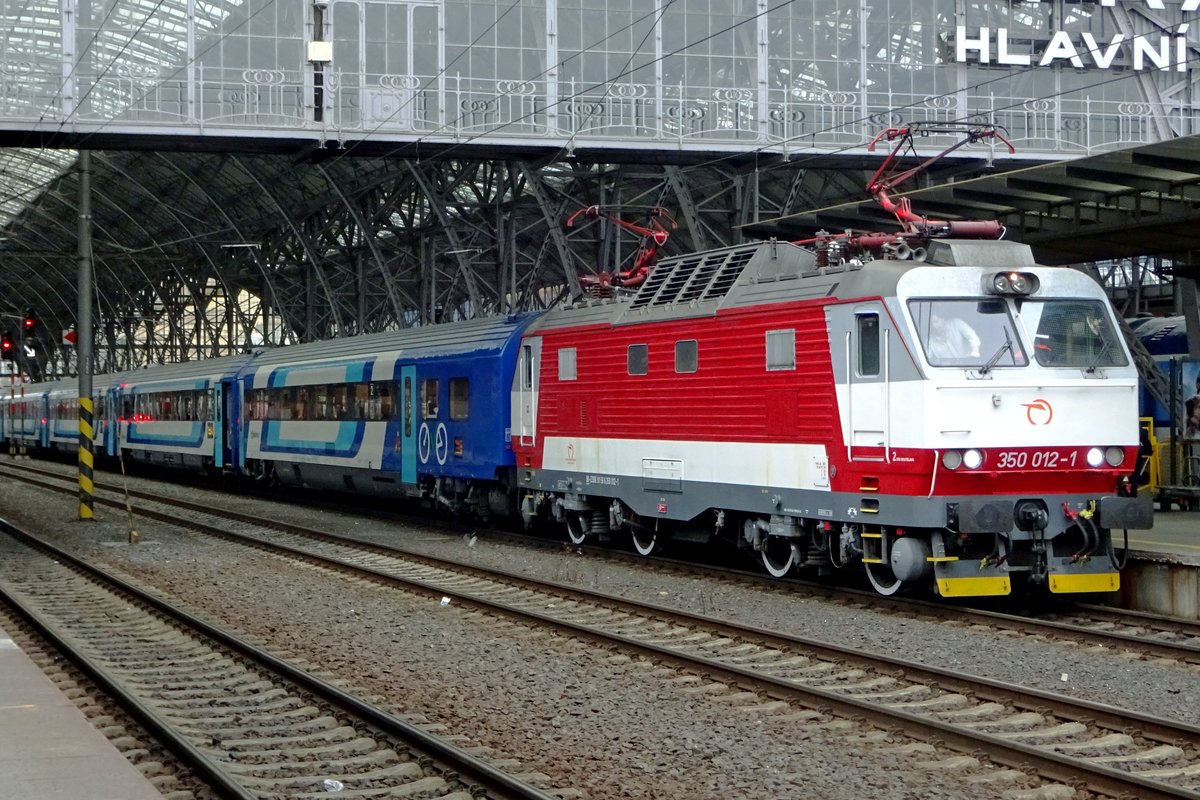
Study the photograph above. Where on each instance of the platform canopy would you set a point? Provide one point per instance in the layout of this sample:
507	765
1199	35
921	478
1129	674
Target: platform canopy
1139	201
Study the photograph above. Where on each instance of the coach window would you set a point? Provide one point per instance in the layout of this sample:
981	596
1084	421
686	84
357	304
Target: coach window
379	406
567	369
303	406
460	390
781	350
868	345
359	394
387	404
687	356
429	398
639	359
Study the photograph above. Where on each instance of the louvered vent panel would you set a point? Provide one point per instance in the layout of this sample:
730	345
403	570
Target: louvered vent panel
705	276
728	273
700	278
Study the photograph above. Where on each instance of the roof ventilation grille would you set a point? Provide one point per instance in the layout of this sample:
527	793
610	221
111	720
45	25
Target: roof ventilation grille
697	276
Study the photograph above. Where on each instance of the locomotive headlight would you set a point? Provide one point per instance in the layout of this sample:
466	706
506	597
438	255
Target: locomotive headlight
1114	456
951	459
1011	283
1095	457
972	459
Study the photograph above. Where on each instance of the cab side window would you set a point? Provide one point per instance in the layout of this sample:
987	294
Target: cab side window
868	344
687	356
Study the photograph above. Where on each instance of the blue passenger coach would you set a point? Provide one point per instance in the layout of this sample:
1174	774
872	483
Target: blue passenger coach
24	415
417	412
178	415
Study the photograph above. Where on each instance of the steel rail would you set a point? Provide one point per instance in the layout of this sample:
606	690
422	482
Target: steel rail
450	760
1178	651
204	767
1049	764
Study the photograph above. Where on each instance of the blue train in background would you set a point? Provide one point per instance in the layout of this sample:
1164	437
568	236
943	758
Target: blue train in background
418	411
1166	340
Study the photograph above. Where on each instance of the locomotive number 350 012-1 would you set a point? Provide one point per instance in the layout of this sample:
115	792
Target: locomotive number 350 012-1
1036	459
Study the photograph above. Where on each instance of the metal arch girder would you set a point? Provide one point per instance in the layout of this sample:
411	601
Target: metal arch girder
56	250
687	207
298	235
190	282
371	243
552	218
230	224
439	209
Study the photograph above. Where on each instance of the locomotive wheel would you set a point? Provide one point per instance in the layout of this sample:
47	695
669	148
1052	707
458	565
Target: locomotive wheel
882	578
577	527
778	556
644	541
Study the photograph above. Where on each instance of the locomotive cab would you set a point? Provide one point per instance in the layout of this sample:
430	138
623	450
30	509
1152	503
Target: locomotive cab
1021	420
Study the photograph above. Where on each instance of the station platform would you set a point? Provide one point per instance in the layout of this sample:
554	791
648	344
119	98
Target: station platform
1175	534
48	749
1163	574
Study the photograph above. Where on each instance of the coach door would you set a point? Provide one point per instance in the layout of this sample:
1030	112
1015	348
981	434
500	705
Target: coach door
43	419
112	415
868	389
408	424
226	421
524	401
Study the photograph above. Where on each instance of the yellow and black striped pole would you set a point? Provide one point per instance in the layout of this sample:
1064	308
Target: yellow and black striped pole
83	338
87	487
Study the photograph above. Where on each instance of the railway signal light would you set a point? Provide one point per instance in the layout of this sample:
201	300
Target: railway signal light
7	348
30	323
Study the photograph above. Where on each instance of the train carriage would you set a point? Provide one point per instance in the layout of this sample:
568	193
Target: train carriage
175	415
62	414
417	412
23	413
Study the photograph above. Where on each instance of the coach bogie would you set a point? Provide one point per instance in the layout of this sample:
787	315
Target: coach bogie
480	500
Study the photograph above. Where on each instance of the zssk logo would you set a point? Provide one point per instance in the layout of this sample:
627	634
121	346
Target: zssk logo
1039	412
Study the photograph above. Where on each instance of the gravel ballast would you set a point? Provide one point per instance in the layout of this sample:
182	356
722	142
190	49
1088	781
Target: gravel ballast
607	725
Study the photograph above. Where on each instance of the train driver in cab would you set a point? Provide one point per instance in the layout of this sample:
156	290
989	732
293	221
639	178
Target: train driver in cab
951	338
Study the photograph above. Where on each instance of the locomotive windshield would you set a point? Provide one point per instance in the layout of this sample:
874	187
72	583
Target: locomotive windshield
967	333
1073	333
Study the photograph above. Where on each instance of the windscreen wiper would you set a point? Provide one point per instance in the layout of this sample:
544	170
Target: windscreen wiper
991	362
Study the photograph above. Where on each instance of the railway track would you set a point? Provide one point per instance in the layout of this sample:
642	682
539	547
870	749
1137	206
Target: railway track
249	724
1108	751
1148	635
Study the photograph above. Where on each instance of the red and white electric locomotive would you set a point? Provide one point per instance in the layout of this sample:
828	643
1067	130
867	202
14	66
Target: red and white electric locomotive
965	422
